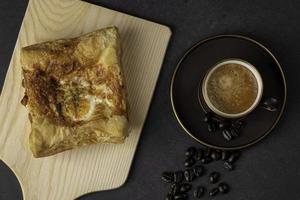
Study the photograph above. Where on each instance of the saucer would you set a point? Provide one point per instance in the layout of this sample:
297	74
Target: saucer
192	68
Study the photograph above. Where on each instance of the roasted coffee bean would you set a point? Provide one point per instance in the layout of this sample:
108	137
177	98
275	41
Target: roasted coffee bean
198	170
207	152
199	154
228	166
215	155
233	157
169	197
183	196
270	104
226	134
224	124
221	125
185	188
189	175
218	151
215	118
178	176
167	177
212	126
207	117
199	192
213	192
190	152
214	177
205	160
238	124
224	188
224	155
189	162
174	189
234	132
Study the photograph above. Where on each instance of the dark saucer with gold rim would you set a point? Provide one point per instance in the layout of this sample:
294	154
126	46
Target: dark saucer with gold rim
187	100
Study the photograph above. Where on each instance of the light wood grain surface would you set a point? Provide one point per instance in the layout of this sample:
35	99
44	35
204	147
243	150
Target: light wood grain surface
97	167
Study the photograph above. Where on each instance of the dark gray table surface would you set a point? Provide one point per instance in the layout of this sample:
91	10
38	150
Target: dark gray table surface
266	171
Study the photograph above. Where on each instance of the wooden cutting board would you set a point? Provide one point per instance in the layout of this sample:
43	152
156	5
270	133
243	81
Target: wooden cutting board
97	167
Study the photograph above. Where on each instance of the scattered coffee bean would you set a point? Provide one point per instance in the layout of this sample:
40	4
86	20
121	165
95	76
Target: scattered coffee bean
190	152
207	117
205	160
180	180
213	192
198	170
270	104
185	188
199	154
189	162
228	166
178	176
214	177
238	124
234	132
174	189
189	175
167	177
224	124
225	155
230	128
207	152
212	126
169	197
224	188
199	192
183	196
233	157
226	134
215	155
218	151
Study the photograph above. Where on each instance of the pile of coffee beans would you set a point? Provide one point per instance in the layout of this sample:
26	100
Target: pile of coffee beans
195	158
230	129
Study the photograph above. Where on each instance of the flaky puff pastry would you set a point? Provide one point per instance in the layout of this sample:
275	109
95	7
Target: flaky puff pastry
74	92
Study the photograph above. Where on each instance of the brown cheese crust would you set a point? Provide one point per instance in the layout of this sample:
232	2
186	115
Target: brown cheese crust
74	92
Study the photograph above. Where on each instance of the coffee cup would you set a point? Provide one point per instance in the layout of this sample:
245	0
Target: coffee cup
232	88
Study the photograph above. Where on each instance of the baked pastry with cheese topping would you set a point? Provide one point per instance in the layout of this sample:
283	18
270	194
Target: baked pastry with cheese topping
74	92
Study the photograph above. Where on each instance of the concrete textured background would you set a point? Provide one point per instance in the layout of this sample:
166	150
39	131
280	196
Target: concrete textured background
266	171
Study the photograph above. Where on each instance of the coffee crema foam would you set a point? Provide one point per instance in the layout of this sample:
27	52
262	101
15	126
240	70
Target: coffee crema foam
232	88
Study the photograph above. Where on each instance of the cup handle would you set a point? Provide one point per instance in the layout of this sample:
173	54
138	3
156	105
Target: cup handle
270	104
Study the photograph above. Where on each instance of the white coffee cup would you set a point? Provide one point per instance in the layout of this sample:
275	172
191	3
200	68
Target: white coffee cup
241	63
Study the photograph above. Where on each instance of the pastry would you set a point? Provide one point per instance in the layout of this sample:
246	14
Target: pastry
74	92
